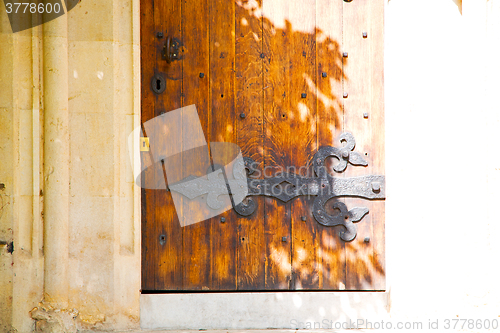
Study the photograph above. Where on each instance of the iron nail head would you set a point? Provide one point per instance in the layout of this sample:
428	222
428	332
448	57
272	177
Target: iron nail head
159	34
345	54
346	95
242	115
367	240
202	75
365	34
303	218
323	74
376	187
283	239
223	219
365	115
303	95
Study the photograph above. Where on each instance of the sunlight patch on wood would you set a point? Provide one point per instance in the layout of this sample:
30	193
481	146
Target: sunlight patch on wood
303	111
301	255
313	132
327	102
281	259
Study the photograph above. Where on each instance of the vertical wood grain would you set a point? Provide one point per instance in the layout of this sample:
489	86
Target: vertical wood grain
362	267
223	129
195	40
276	49
147	112
167	17
330	124
376	33
249	102
303	140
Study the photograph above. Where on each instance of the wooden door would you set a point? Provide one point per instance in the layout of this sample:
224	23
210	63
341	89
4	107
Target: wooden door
281	79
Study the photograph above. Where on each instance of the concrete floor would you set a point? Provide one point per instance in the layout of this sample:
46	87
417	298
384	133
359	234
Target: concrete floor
286	331
240	331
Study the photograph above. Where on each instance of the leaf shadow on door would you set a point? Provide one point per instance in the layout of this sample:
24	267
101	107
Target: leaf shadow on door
281	93
302	108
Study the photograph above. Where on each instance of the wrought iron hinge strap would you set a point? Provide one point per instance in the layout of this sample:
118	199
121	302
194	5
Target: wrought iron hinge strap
288	186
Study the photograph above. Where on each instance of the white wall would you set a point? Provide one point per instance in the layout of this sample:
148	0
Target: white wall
442	125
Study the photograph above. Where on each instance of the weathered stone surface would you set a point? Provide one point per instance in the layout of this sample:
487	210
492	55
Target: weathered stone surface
87	117
53	320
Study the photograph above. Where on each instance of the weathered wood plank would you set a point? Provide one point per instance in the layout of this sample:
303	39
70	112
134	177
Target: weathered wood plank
147	112
330	117
249	124
276	49
195	41
223	129
303	139
362	266
376	35
167	18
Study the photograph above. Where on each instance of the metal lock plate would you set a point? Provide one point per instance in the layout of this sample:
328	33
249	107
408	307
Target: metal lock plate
171	50
158	84
144	144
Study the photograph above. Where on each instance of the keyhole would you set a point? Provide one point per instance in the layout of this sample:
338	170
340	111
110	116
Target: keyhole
158	84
